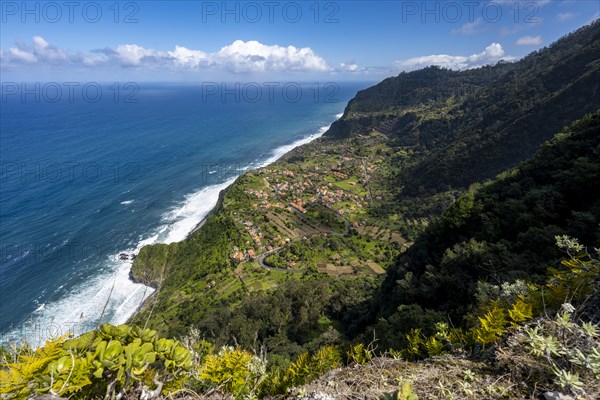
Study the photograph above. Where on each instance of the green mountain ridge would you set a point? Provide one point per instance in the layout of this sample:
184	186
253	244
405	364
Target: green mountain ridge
468	126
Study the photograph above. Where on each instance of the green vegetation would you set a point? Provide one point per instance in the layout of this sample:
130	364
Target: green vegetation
151	263
112	361
426	242
539	354
451	119
504	231
405	393
236	371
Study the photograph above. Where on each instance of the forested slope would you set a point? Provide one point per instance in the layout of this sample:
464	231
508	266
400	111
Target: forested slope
504	230
468	126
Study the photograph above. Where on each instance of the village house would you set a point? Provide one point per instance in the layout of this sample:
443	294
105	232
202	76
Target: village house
239	256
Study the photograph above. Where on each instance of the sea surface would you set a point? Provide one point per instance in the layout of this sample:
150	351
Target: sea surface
85	178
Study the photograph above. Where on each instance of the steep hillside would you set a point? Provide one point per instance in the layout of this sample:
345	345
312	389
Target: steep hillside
500	232
310	235
469	126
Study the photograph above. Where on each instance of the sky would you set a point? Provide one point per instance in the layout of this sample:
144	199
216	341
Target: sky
193	41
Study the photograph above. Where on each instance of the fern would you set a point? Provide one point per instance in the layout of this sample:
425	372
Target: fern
298	370
358	354
18	379
492	326
413	349
433	346
327	358
304	369
520	312
576	277
230	370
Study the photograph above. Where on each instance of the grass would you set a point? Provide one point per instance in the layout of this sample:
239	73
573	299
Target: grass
438	378
356	189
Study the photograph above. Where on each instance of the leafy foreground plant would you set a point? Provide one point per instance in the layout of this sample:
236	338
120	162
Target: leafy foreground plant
108	363
405	393
304	369
359	354
556	352
235	371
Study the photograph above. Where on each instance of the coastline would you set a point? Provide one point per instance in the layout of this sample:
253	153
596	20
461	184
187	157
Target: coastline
284	151
198	226
83	305
278	154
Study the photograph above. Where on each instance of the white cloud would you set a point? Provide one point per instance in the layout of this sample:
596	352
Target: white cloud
469	28
352	67
39	42
21	55
182	56
254	56
491	55
565	16
43	50
240	56
39	51
132	54
529	41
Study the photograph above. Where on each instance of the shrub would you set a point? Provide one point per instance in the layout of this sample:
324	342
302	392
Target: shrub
405	393
110	361
235	371
556	352
359	354
575	278
304	369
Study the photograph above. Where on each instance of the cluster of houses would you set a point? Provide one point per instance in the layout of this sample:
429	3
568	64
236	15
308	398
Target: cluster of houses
293	191
298	207
242	255
253	231
259	240
326	194
339	174
330	197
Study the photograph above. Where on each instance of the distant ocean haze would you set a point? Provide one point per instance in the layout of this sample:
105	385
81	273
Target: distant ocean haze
83	181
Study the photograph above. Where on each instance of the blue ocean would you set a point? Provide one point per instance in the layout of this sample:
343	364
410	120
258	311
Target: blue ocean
87	177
